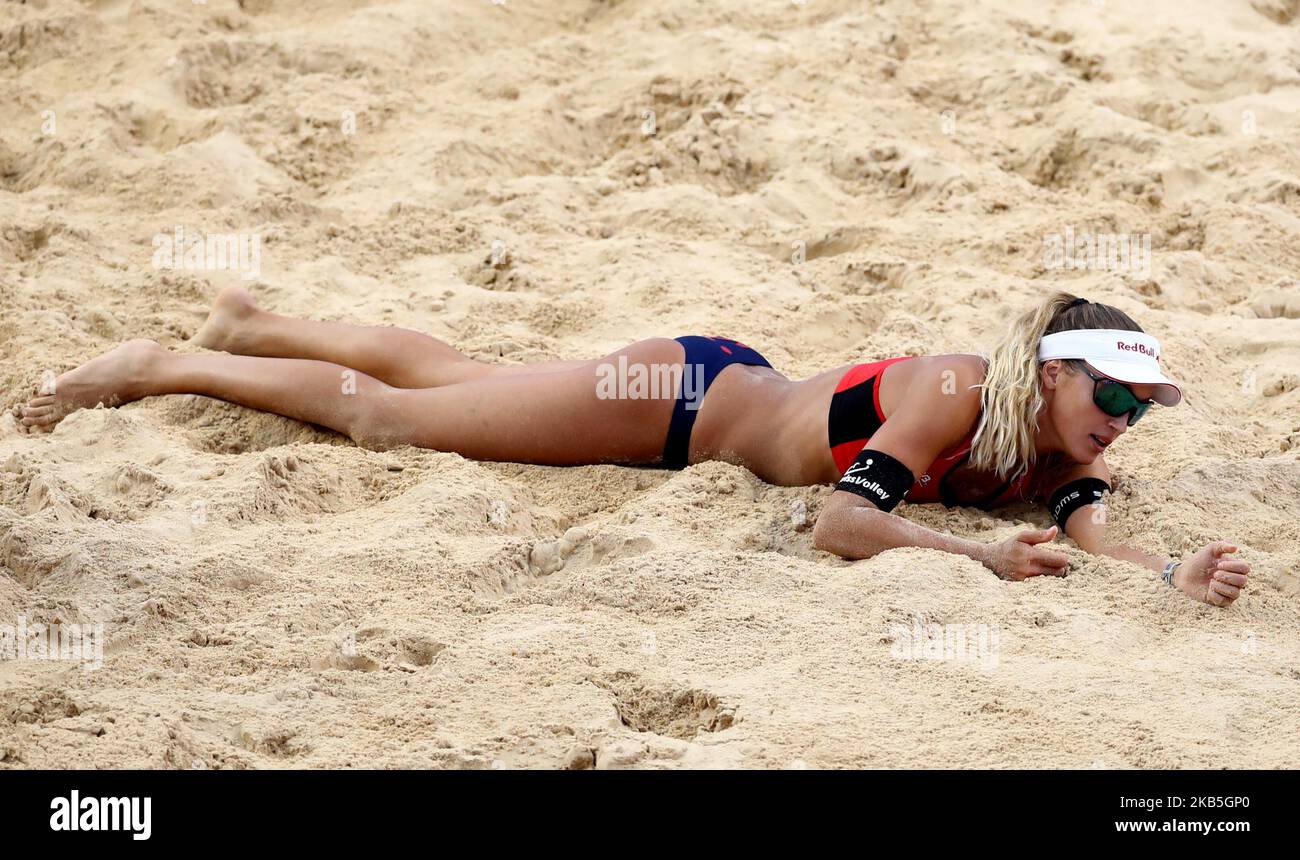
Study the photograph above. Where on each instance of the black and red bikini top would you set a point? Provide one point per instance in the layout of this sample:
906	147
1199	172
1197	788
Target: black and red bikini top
856	415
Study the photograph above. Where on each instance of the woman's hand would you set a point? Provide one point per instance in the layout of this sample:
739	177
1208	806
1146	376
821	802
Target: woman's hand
1020	557
1211	577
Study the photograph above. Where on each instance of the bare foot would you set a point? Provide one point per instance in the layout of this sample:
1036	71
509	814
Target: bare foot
226	323
116	377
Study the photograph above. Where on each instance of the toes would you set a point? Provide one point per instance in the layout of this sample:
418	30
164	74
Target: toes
42	419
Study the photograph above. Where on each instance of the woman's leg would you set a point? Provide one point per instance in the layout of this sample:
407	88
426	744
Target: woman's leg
556	418
400	357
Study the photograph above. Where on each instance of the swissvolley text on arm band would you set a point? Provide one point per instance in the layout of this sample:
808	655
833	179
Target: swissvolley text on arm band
878	478
1069	497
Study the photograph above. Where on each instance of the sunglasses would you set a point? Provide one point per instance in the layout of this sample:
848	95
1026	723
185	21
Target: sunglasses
1116	399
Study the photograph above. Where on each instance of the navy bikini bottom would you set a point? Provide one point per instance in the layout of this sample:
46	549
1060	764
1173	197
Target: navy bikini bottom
706	357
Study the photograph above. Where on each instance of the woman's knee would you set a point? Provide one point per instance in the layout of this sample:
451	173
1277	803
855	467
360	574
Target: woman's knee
382	417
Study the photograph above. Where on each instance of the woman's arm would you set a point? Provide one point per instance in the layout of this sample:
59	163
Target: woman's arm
852	527
1208	576
1087	528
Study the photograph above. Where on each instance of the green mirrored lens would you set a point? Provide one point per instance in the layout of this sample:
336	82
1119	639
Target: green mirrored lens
1138	413
1116	399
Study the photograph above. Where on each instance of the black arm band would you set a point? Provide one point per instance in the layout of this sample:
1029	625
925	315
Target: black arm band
878	478
1068	498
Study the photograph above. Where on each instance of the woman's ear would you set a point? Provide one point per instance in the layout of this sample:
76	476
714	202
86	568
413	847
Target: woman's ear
1050	372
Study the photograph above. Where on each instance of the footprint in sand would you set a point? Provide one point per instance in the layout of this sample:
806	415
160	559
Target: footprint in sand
549	556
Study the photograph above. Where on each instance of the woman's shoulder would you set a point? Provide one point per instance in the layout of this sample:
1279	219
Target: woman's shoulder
955	377
965	366
936	388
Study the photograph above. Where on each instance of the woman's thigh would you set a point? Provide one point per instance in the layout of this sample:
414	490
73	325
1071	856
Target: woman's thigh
584	413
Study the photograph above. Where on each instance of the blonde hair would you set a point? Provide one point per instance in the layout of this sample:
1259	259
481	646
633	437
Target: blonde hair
1011	396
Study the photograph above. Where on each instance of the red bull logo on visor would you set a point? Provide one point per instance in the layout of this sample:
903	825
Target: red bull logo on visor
1137	347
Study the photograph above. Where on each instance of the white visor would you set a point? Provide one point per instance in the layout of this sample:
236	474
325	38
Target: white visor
1128	356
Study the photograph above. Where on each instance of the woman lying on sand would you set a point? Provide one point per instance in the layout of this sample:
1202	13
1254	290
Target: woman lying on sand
1031	422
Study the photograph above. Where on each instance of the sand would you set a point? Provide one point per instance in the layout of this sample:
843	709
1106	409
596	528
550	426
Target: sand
828	181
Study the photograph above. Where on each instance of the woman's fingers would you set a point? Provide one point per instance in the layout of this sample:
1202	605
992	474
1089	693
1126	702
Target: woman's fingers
1231	592
1219	547
1233	564
1215	599
1042	561
1048	558
1035	536
1220	593
1037	569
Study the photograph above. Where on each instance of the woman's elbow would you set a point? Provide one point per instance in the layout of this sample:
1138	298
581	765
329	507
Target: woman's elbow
823	533
839	531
